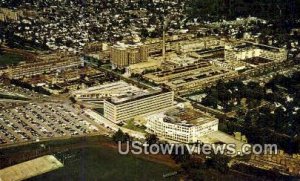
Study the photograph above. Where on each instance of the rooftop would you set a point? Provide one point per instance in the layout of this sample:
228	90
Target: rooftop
250	45
133	96
257	60
115	88
183	116
124	46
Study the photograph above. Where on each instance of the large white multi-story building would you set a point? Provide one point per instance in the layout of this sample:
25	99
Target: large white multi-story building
125	107
181	124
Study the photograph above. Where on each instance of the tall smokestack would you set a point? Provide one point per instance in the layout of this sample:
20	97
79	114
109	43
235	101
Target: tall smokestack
165	25
164	45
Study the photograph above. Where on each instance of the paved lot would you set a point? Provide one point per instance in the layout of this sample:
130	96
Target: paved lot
112	126
8	103
219	136
19	91
33	122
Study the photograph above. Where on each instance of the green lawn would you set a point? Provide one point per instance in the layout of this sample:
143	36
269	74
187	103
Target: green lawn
94	163
105	164
9	59
130	125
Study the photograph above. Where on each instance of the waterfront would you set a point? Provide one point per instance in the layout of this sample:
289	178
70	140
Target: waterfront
105	164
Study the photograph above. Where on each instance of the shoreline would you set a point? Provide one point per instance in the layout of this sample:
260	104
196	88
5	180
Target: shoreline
20	153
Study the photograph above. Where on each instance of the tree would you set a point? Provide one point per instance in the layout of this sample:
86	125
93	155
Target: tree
73	100
194	169
196	8
196	175
126	21
69	43
280	119
218	162
120	136
252	103
266	119
144	33
58	41
151	139
180	154
211	101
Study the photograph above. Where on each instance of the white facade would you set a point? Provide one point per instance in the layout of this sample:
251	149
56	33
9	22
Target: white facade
127	108
255	50
99	93
181	131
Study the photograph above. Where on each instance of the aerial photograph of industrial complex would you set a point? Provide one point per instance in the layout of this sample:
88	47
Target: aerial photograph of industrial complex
150	90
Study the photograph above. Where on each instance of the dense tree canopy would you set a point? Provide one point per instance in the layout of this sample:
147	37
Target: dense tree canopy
265	114
120	136
230	9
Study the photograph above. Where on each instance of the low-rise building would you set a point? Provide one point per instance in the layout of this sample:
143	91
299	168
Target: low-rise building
181	124
101	92
139	68
188	78
10	14
44	64
200	44
248	50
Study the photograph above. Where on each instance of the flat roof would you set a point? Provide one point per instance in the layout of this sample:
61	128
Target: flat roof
197	65
123	46
249	45
257	60
30	168
117	88
132	97
183	116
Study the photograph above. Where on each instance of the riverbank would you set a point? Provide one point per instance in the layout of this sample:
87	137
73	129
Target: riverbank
14	155
71	151
104	163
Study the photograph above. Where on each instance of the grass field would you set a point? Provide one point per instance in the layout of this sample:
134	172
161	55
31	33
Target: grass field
104	164
94	162
130	125
9	59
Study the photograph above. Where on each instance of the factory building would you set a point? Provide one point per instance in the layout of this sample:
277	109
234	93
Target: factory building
123	55
248	50
122	108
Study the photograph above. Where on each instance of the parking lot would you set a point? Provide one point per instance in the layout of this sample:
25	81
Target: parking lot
19	91
34	122
6	104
